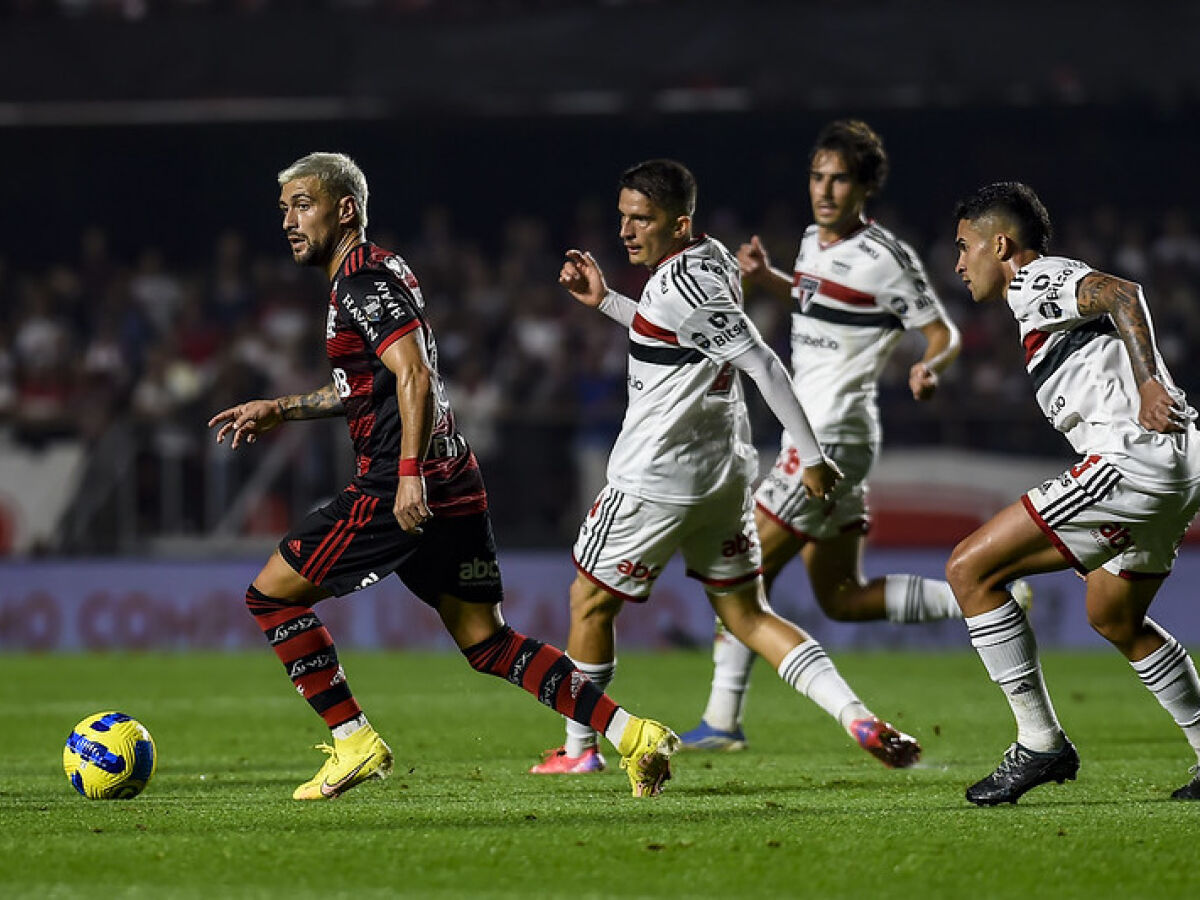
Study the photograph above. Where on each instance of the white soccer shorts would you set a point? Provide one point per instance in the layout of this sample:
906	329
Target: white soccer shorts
782	497
1095	517
626	541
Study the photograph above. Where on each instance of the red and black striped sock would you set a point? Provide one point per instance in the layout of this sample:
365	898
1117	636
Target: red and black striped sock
546	672
305	648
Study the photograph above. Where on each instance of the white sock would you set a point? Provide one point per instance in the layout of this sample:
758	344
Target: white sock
910	598
343	731
732	661
580	737
1170	675
813	674
616	728
1006	644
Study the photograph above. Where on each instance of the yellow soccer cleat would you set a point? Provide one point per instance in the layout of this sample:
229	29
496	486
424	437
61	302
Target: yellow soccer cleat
351	761
646	748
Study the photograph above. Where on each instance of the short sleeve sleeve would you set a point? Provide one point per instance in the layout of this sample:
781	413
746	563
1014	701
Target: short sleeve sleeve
719	328
381	308
1043	295
907	294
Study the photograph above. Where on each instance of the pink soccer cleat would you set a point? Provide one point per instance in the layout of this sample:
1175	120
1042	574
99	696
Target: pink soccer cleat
556	762
893	748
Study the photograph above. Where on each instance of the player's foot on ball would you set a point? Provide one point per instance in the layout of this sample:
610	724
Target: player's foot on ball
1191	790
893	748
705	737
1021	591
646	748
351	761
1022	770
556	762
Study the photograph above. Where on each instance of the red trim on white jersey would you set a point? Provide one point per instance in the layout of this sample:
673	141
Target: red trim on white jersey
688	246
650	330
724	582
1033	343
1054	538
620	595
845	237
835	291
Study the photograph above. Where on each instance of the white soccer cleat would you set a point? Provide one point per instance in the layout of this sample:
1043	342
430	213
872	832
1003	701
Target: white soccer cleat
1021	591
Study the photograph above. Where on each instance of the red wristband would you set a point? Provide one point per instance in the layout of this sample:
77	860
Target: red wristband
409	466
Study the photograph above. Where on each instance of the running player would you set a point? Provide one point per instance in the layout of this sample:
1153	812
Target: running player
1117	516
416	505
680	472
855	290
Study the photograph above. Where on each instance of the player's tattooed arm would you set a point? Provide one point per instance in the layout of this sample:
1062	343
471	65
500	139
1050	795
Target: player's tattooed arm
319	404
1123	301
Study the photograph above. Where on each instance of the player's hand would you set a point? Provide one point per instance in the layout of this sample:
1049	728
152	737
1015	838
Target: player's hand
1159	410
922	381
246	421
753	259
820	480
582	277
411	509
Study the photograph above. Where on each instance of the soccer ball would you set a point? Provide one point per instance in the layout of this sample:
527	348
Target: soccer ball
109	756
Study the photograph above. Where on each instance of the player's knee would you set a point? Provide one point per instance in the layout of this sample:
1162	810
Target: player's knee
839	608
259	603
961	573
589	602
1116	626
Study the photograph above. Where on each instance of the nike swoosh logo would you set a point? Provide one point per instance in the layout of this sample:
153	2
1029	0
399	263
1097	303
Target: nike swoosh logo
332	790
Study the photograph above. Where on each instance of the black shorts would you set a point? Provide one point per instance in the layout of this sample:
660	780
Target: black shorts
354	541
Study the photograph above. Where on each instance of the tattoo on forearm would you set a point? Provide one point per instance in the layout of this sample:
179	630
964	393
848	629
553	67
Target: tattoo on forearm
320	404
1123	301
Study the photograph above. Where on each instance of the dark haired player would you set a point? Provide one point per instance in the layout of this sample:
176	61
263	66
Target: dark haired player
1117	516
855	289
680	471
416	505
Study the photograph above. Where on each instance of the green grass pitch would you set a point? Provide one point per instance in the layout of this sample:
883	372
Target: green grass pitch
802	813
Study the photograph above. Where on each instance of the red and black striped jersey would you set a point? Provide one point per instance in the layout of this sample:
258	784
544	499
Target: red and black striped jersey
375	300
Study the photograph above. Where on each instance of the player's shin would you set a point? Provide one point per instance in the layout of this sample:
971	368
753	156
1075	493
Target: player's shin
810	671
581	735
1170	675
309	657
732	662
547	673
910	599
1008	649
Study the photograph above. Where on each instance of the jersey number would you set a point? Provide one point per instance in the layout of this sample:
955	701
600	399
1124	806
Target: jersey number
723	382
341	383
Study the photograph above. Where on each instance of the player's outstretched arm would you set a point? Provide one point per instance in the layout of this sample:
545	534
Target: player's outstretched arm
1125	304
582	277
248	420
942	344
756	268
763	366
584	280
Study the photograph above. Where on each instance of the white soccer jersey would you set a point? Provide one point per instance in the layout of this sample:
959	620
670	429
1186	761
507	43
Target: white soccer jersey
1084	382
686	431
854	299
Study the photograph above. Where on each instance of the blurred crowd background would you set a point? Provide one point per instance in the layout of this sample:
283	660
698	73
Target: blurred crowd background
145	285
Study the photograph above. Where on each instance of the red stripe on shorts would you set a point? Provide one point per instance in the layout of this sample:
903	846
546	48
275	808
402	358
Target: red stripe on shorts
338	539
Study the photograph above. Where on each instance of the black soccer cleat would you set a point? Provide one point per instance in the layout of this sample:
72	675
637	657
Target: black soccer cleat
1022	770
1191	790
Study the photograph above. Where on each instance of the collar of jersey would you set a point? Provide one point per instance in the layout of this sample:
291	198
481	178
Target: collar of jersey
344	269
865	225
698	239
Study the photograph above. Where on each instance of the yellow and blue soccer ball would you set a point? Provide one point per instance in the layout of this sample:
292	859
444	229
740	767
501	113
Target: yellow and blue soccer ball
109	756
